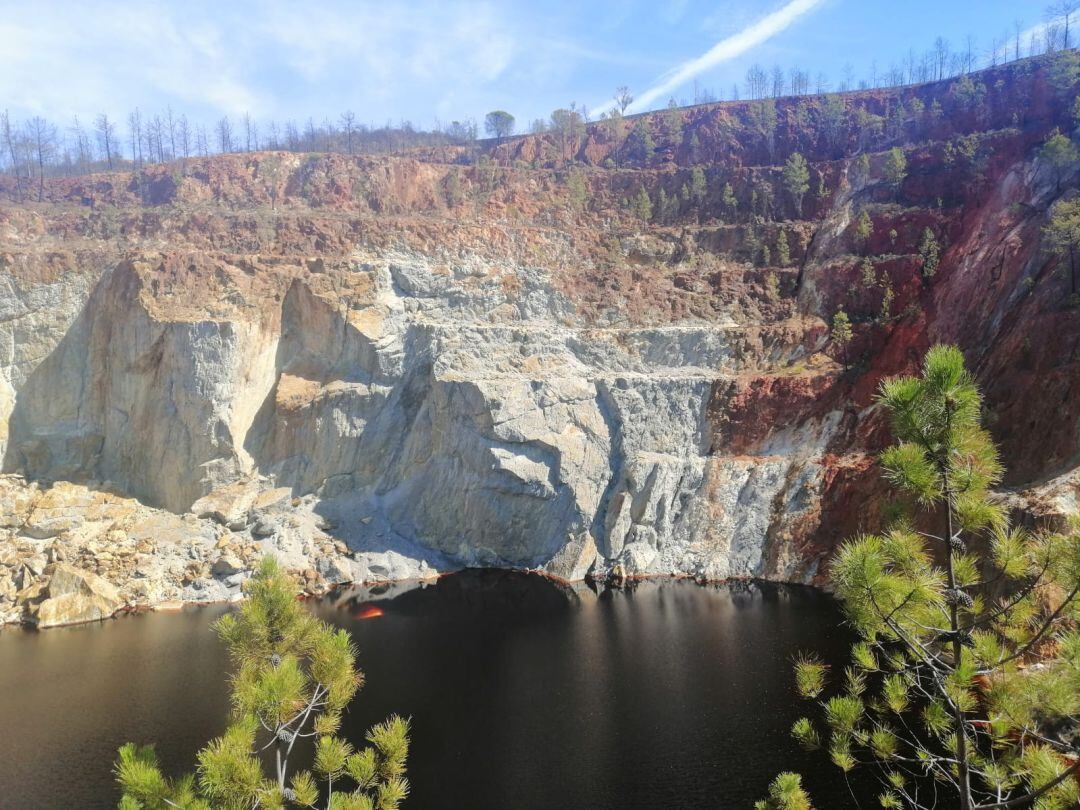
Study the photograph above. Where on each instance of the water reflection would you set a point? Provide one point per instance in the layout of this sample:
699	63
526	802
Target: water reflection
524	692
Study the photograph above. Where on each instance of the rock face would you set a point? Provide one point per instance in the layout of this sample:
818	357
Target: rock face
380	368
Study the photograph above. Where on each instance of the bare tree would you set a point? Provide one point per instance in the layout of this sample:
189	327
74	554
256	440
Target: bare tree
183	136
202	143
778	84
155	131
43	140
10	137
170	125
224	134
83	152
348	127
251	134
135	130
106	137
941	57
756	81
623	99
1062	12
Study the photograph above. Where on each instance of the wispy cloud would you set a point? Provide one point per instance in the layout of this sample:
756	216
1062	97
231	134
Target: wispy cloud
724	50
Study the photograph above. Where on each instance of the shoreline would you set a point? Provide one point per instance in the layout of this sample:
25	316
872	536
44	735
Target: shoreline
629	581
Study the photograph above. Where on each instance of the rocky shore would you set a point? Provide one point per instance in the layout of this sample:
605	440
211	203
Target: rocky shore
72	553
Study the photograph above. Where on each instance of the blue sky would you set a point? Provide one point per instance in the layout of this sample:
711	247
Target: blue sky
438	60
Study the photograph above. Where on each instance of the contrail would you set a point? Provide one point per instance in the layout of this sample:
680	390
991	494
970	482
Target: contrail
725	49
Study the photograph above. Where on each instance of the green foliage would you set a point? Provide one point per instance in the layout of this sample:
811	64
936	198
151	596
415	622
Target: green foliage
673	122
967	671
810	674
452	188
499	124
895	167
868	272
832	114
641	205
841	332
887	296
968	93
785	793
577	188
1062	236
699	187
639	144
796	180
783	252
667	208
727	198
763	123
695	148
1059	153
864	228
772	287
1063	69
806	734
294	676
930	252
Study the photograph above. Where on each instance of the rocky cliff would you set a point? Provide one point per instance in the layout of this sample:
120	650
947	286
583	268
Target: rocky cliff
498	355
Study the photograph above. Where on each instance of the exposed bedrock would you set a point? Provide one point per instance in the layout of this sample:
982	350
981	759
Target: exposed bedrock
528	442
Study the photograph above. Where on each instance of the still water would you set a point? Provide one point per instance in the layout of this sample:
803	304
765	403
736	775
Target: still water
523	694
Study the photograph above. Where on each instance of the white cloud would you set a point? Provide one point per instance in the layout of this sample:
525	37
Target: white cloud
724	50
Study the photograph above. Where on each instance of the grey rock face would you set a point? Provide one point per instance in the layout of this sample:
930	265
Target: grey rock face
439	420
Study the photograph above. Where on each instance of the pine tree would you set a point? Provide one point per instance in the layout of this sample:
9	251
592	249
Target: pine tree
772	287
869	272
930	252
864	229
639	145
966	678
895	168
699	187
783	252
727	197
642	205
841	333
785	793
294	676
663	207
1060	154
673	122
1063	237
797	180
577	188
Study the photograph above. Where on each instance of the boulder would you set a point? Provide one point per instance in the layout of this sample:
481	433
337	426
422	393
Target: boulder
226	565
70	595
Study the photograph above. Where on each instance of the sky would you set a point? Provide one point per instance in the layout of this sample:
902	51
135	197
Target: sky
433	61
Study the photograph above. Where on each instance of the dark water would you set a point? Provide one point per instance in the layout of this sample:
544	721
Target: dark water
523	694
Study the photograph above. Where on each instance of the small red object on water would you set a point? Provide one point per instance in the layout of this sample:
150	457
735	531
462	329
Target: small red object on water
369	612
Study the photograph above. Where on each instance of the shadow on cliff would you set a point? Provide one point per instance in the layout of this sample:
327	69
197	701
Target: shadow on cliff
53	432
